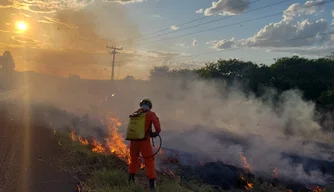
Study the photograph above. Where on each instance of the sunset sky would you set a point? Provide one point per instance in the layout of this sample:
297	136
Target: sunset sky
65	37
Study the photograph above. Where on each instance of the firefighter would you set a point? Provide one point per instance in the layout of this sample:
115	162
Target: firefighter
139	133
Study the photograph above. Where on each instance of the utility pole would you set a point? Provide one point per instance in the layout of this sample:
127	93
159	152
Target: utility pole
113	59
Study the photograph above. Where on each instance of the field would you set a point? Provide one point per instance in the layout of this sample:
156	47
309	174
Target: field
68	136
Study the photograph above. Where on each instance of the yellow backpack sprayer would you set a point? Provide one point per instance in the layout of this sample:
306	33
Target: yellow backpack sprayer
136	130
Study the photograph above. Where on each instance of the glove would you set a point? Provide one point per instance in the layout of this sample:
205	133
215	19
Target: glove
154	134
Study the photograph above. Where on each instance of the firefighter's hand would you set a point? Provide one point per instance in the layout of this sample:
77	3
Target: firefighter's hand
154	134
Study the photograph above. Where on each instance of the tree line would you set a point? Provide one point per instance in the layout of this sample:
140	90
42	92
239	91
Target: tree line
313	77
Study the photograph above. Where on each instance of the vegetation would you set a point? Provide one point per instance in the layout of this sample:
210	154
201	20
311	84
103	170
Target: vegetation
104	173
313	77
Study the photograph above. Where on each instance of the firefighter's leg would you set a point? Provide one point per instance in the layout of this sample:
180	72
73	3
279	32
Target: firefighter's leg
147	152
134	158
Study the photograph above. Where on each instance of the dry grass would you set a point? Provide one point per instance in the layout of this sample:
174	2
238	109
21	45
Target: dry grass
106	173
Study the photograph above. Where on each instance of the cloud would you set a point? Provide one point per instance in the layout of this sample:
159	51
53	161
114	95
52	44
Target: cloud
157	16
126	1
286	33
55	43
309	8
313	51
51	6
184	45
226	7
23	39
174	27
223	44
195	43
200	11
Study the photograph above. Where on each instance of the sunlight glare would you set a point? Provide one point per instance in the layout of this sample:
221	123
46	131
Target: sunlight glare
21	25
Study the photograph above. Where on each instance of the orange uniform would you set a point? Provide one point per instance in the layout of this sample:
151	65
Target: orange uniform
144	147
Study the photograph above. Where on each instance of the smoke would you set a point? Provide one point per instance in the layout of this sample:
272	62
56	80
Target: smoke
208	118
72	40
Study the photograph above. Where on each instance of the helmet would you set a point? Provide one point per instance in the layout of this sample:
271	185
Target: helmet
147	102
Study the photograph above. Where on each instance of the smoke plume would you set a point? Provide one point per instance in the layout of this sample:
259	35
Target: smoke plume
208	118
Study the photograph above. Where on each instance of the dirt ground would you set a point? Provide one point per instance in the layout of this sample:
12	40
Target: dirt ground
28	152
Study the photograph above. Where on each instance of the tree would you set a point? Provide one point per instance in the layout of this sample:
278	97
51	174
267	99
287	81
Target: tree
7	62
159	72
129	78
331	56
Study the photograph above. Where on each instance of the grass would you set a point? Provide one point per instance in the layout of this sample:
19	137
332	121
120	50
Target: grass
107	173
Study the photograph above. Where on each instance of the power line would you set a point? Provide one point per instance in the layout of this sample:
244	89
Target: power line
315	51
220	19
246	4
215	28
231	49
113	59
232	24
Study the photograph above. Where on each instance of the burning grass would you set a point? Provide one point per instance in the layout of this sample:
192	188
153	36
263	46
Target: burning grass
101	166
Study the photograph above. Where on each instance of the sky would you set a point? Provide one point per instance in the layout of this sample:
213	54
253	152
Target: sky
63	37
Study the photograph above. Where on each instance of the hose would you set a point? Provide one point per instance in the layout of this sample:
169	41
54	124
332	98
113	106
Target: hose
153	146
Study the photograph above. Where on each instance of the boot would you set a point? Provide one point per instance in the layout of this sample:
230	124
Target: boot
152	185
131	178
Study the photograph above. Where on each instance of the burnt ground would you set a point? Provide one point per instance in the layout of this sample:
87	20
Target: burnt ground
28	154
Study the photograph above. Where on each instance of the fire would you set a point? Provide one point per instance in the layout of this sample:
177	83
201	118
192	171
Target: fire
115	143
318	189
160	152
275	172
83	141
249	185
172	173
246	164
73	137
97	147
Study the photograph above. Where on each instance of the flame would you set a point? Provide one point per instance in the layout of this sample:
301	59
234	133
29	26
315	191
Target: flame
73	137
161	152
83	141
275	172
114	144
97	147
318	189
246	164
249	185
172	173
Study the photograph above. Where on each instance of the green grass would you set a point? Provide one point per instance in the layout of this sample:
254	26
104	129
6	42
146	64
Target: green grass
107	173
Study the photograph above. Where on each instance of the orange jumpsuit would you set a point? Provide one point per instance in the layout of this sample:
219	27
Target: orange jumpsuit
145	148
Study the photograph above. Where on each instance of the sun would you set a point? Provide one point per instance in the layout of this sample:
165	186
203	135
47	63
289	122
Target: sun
21	26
